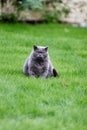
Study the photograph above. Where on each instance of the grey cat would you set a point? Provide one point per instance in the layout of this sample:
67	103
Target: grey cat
38	64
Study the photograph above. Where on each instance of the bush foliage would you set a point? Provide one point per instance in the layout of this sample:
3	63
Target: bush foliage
48	15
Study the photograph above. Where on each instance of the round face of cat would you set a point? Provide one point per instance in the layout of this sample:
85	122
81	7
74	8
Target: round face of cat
40	53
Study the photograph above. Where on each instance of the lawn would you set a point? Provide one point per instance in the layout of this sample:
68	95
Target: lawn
43	104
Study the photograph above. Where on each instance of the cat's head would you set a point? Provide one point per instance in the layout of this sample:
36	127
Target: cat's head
40	53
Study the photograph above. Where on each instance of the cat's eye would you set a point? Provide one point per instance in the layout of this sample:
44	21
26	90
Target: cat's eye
40	52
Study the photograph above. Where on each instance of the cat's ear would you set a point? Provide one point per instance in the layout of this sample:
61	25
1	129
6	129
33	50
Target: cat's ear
35	47
46	48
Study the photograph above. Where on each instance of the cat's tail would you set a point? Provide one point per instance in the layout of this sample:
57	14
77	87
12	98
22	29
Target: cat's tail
55	74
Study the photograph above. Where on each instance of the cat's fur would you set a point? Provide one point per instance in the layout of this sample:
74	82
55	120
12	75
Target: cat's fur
38	64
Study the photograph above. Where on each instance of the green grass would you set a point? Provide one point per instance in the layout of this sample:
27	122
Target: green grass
43	104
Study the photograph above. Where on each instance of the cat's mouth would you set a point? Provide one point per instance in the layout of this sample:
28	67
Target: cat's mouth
39	59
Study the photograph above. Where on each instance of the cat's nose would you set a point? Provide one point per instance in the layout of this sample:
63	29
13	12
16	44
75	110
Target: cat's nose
39	56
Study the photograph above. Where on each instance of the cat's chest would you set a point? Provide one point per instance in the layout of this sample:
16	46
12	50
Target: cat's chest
39	68
40	65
